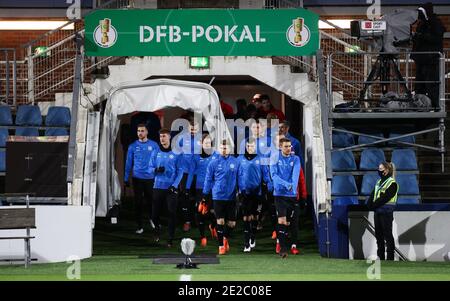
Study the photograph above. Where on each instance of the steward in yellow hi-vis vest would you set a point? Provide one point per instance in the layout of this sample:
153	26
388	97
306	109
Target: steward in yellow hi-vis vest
382	200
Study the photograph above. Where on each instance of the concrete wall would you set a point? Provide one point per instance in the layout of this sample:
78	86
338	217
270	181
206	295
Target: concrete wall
418	234
61	232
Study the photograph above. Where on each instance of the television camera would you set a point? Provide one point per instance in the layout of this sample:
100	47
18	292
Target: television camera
392	30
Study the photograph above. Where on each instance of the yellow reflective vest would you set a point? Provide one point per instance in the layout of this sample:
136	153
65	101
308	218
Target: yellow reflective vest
382	187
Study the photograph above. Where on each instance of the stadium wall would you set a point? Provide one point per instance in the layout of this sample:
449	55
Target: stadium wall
62	233
417	232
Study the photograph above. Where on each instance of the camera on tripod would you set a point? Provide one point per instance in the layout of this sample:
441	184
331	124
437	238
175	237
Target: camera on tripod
367	28
387	33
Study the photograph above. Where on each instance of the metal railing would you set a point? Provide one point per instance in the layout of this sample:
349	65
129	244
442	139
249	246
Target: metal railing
50	70
324	98
277	4
8	76
389	72
447	72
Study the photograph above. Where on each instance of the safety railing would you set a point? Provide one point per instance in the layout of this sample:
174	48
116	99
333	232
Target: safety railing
44	66
333	39
447	73
277	4
8	76
387	86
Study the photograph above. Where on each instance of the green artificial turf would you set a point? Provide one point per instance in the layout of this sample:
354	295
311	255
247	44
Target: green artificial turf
119	254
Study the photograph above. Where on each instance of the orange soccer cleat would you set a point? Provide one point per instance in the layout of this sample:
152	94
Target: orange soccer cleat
213	231
274	234
226	244
203	208
204	242
222	250
200	207
295	251
278	248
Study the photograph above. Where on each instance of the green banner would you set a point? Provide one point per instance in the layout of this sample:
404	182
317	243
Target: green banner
201	32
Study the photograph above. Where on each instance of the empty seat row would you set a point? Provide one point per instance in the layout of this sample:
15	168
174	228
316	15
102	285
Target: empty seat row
29	116
352	200
403	159
345	185
341	139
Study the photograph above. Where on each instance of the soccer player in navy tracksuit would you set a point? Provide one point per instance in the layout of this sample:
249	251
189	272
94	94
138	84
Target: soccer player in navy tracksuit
221	182
190	145
196	179
251	174
258	131
285	174
166	165
296	146
138	159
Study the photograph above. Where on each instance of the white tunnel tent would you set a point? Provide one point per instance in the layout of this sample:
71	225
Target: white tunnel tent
150	96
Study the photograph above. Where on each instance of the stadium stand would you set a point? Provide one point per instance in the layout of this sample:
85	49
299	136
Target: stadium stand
408	139
407	201
368	183
345	201
3	136
27	131
5	120
343	139
57	116
408	184
343	161
5	115
371	159
28	115
344	185
404	159
366	140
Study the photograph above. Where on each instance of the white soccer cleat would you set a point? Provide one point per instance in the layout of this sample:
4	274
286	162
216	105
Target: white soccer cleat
152	224
252	243
246	250
139	231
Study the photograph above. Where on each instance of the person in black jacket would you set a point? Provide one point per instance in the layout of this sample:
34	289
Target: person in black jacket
429	36
382	200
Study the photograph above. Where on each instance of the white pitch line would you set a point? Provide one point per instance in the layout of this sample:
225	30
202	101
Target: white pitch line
185	277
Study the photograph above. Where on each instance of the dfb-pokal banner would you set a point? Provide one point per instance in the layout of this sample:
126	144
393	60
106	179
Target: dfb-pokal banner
201	32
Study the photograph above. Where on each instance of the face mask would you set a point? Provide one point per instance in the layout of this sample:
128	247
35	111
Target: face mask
380	173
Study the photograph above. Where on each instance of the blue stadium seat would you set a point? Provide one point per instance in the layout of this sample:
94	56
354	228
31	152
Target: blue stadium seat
409	139
5	115
404	159
343	139
407	184
344	185
371	158
2	160
368	183
27	132
344	201
3	137
58	116
365	139
403	201
56	132
343	161
28	115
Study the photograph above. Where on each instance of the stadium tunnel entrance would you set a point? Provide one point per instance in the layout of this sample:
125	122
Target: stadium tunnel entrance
289	90
230	88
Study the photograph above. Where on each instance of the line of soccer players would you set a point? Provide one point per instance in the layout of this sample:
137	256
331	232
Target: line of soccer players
267	176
